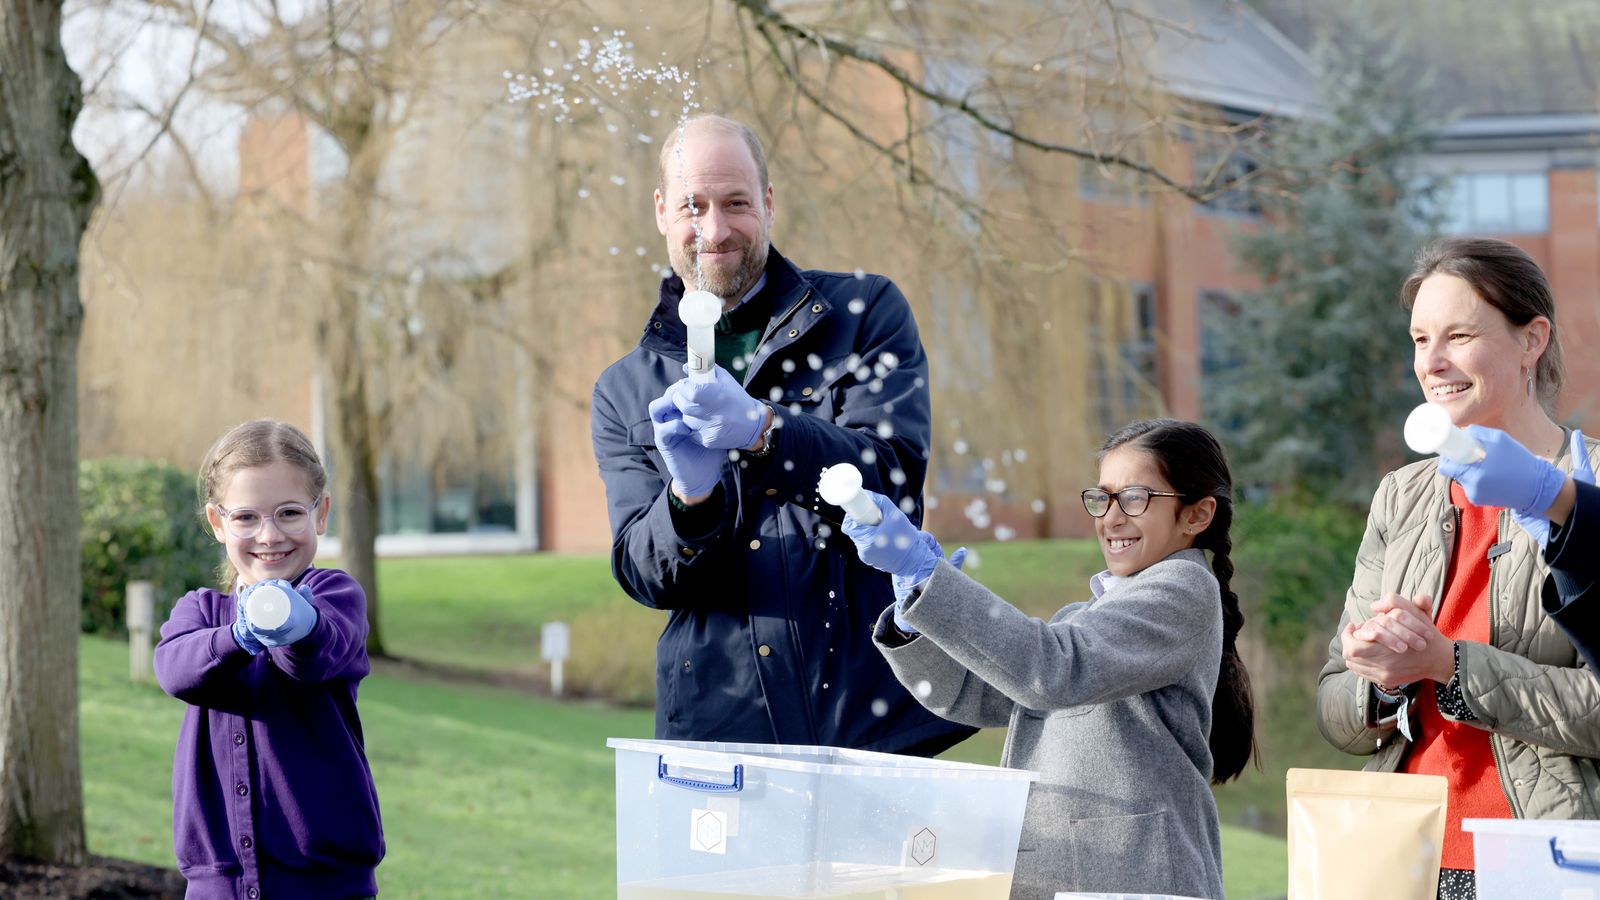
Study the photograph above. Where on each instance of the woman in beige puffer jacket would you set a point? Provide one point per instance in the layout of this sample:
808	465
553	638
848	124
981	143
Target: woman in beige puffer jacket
1455	643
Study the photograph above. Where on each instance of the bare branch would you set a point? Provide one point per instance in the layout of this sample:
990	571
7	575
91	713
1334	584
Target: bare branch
767	21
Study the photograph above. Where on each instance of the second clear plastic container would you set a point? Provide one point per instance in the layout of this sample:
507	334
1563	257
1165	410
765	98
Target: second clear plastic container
764	820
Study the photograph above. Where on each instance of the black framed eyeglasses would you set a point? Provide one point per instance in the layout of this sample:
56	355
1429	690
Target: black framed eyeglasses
1133	500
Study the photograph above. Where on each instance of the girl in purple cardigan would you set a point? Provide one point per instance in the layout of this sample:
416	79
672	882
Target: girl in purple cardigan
272	795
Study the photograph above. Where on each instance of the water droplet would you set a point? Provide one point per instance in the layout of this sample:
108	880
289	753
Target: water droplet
639	251
814	361
959	447
825	530
869	456
901	542
831	595
583	193
880	707
885	430
908	505
861	273
924	689
1038	505
1004	533
787	366
822	545
1021	455
788	465
880	540
615	250
897	476
824	685
857	306
618	180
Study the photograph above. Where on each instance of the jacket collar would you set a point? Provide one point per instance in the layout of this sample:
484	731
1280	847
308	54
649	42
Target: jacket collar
664	331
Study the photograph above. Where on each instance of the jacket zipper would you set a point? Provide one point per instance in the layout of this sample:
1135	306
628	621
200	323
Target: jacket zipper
1494	738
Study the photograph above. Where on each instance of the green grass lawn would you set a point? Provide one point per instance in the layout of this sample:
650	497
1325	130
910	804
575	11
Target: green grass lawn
490	792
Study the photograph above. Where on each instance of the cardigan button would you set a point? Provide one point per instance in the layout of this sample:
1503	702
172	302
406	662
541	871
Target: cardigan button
242	789
246	843
254	893
238	739
764	650
755	545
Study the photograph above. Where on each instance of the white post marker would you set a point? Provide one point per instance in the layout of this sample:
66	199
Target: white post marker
267	607
841	486
700	311
1429	430
141	614
554	645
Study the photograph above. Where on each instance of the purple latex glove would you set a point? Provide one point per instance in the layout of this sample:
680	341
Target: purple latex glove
1536	525
694	469
302	615
719	412
242	634
1508	475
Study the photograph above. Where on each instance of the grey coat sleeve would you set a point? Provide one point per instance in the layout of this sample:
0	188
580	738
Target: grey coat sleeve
948	689
1345	699
1144	635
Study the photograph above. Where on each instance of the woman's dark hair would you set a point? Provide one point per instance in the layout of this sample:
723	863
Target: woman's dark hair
1507	279
1193	463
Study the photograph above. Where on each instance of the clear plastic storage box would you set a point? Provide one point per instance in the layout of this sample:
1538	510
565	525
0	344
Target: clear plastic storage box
1521	858
764	820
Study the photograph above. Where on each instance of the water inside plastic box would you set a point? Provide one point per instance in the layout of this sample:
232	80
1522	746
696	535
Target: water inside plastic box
811	822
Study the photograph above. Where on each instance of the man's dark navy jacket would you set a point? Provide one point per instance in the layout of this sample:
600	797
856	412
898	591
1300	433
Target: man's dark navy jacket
769	632
1574	557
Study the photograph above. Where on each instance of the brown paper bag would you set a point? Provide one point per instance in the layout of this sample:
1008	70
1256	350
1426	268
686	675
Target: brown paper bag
1359	835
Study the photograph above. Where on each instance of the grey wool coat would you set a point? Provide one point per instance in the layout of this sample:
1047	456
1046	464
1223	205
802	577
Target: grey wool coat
1110	702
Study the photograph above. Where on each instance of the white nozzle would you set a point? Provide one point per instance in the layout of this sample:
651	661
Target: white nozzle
1429	430
700	311
267	607
841	486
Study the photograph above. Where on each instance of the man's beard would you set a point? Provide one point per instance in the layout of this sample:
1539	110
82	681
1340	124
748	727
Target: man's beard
730	286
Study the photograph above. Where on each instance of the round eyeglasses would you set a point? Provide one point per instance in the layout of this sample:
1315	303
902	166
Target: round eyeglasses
1133	500
291	519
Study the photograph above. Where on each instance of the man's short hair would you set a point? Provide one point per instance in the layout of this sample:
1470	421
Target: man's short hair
722	125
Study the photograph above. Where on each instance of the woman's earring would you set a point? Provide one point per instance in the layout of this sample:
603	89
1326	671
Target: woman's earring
1530	385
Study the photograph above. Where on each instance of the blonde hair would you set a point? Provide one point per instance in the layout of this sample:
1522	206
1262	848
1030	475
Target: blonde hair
257	443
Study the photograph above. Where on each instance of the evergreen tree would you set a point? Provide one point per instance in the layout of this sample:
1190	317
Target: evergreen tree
1318	362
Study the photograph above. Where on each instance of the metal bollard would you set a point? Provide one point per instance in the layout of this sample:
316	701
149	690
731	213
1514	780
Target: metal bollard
141	615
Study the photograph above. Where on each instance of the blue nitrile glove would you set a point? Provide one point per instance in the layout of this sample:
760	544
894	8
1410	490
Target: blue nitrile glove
302	616
1509	475
720	413
695	469
904	585
1537	526
241	628
893	545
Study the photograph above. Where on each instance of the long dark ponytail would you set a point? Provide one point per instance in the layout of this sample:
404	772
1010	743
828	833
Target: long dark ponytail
1193	463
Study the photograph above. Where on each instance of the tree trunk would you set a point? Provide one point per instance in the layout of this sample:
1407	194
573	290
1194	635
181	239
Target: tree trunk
46	193
355	479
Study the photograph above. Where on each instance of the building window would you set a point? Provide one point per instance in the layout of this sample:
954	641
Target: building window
1121	331
1218	313
1223	167
1497	203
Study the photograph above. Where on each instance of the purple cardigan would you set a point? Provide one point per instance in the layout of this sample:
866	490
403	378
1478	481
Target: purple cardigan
271	792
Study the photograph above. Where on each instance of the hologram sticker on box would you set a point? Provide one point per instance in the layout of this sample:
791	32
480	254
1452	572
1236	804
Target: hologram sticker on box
708	831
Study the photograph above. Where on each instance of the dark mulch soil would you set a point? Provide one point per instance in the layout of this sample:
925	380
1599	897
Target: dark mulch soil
102	879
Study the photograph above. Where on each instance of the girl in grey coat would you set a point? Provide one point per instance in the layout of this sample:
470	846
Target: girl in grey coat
1126	704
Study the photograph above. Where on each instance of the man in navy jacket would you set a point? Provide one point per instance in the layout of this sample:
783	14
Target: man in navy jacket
711	486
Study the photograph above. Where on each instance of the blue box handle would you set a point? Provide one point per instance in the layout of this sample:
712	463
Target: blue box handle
1562	862
695	784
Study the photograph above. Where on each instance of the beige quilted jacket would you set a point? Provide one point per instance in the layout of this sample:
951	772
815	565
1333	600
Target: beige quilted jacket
1527	686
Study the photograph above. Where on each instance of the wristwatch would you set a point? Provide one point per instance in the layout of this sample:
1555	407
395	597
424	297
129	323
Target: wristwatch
769	437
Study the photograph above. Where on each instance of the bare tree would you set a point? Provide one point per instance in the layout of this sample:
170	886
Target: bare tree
47	191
